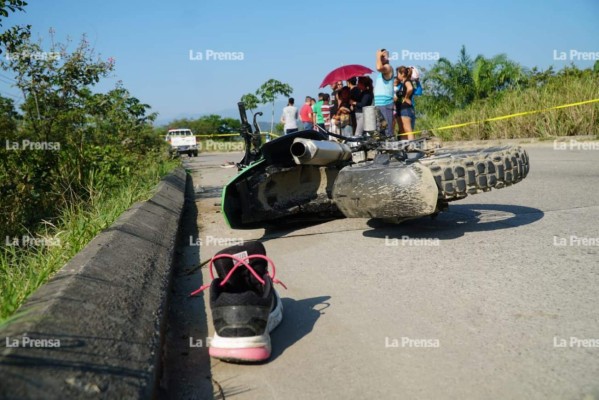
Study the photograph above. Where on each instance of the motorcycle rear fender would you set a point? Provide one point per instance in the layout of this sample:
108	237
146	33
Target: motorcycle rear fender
394	190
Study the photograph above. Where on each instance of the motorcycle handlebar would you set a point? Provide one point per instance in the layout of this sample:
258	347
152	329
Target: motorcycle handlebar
242	115
256	126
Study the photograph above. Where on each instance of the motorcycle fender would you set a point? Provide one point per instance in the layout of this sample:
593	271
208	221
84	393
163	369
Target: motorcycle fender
394	190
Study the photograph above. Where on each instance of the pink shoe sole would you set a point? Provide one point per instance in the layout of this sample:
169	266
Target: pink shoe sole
247	354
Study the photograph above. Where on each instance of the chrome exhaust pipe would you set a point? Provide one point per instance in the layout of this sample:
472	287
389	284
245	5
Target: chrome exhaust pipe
319	152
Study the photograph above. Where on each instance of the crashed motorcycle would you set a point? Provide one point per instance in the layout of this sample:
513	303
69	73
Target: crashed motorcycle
315	174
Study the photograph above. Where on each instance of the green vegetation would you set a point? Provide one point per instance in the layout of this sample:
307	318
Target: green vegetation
476	90
72	160
251	102
24	268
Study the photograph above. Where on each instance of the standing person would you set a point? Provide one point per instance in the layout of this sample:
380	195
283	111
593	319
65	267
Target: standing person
325	108
306	114
383	89
366	98
317	116
333	113
335	87
404	98
397	87
343	117
289	117
354	95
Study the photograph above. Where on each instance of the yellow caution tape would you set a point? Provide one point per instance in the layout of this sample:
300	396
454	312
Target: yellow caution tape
212	135
502	117
218	135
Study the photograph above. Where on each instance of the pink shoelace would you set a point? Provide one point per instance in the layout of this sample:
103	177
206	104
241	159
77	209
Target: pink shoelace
240	261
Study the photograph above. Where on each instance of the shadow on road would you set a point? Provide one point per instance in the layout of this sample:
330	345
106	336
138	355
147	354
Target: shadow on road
208	192
457	221
186	372
299	319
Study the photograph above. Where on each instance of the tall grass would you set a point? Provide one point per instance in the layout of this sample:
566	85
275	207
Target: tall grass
24	269
572	121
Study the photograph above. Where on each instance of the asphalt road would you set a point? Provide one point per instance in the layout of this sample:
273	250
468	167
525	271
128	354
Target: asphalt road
494	299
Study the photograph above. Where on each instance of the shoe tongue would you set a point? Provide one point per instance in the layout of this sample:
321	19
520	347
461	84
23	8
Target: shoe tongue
242	274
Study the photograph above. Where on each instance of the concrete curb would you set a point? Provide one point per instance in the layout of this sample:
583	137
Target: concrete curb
99	321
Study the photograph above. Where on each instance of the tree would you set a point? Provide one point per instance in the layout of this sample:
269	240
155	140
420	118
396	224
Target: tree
268	93
457	85
536	77
251	102
8	118
229	125
117	117
16	34
490	75
54	85
90	140
12	5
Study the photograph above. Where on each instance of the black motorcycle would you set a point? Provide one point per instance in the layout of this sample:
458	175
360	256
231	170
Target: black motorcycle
314	173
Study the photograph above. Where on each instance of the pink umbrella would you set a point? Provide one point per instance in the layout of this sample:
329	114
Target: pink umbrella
344	73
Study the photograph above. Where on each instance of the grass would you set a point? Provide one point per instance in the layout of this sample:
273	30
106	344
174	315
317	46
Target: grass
572	121
24	269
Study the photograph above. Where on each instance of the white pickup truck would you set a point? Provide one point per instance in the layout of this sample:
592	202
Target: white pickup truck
182	141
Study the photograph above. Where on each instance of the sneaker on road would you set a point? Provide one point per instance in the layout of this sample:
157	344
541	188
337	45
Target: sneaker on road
245	306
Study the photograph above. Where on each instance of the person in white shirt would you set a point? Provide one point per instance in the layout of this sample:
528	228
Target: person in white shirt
289	117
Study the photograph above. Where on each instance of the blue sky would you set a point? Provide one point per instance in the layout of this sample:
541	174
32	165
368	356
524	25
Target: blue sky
297	42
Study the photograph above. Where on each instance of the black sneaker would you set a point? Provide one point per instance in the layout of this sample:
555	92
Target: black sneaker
245	306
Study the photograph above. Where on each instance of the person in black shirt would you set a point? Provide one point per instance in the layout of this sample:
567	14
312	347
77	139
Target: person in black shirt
342	116
354	95
366	98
